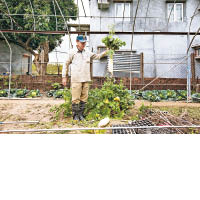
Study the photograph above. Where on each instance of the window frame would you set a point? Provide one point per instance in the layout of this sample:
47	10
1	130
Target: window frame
174	19
101	49
198	52
120	18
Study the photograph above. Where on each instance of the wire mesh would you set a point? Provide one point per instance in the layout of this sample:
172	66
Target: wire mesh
140	123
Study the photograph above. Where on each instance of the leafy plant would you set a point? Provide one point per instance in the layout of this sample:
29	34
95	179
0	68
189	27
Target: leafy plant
21	93
58	93
65	108
3	93
7	83
56	86
182	94
158	95
196	97
112	100
34	93
50	93
112	42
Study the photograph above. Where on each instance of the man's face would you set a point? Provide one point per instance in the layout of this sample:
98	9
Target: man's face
80	45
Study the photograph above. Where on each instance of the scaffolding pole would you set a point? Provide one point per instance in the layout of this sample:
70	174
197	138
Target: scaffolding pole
95	128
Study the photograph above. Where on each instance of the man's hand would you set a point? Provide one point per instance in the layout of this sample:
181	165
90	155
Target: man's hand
64	81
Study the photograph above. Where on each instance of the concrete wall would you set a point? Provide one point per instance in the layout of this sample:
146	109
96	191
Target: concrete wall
161	52
19	62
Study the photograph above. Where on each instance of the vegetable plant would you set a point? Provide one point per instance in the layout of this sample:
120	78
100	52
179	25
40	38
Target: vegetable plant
112	100
3	93
21	93
196	97
112	43
34	93
56	86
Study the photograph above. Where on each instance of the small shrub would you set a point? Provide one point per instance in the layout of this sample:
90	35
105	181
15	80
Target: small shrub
112	100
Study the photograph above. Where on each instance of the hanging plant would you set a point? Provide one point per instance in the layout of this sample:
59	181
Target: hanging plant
112	43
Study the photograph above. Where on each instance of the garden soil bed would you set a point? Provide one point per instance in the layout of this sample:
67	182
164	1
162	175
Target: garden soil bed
39	110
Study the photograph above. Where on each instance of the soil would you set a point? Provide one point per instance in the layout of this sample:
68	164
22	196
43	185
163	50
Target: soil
39	110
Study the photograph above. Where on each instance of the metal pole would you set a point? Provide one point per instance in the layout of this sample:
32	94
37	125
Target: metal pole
188	70
94	128
130	76
9	14
10	73
20	122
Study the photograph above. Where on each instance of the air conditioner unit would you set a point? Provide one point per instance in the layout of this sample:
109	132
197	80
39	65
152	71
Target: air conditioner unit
103	4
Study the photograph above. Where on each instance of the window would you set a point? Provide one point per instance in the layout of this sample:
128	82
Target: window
102	4
122	9
101	49
175	11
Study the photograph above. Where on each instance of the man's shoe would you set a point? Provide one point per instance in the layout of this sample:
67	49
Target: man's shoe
81	117
76	117
75	111
81	110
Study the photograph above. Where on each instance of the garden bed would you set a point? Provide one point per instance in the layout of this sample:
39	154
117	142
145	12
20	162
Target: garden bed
39	110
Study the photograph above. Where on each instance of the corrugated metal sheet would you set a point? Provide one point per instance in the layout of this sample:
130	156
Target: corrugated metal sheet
127	62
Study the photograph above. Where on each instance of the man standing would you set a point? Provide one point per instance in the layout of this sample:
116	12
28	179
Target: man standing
80	75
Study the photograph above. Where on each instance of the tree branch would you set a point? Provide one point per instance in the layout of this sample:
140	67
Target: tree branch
22	44
29	39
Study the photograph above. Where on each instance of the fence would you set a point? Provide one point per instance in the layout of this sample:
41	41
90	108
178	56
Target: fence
153	71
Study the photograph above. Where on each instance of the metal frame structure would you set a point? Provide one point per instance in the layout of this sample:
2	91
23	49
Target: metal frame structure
55	3
94	128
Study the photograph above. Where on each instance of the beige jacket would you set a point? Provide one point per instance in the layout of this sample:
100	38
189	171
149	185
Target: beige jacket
80	65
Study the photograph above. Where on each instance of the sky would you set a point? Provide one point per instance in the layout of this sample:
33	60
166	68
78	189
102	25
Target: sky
64	47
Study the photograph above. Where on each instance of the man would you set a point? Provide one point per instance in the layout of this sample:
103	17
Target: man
80	75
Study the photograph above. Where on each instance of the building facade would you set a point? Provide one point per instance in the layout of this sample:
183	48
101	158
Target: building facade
21	59
161	28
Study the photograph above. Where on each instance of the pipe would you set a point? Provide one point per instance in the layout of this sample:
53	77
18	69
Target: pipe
66	24
3	98
20	122
171	13
100	32
146	14
83	8
88	16
9	14
32	15
138	2
94	128
10	73
55	14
